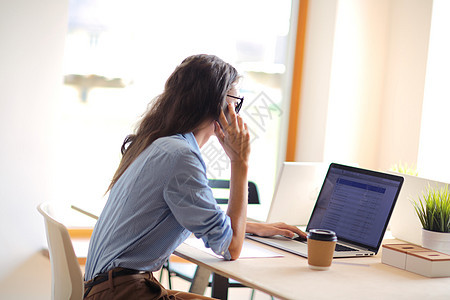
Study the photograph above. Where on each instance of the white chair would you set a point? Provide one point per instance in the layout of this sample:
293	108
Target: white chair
67	279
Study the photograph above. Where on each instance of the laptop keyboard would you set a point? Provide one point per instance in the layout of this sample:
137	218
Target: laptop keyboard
340	247
299	239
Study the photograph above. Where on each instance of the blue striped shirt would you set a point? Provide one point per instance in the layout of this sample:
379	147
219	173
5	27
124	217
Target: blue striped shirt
160	199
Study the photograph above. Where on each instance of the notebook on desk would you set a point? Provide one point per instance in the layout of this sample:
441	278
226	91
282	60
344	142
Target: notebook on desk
356	204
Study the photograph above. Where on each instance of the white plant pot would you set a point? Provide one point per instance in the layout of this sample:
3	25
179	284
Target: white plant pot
438	241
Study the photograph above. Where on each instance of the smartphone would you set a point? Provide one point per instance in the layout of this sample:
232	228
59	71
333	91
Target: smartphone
226	112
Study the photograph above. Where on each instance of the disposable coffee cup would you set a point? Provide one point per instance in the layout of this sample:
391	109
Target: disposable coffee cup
321	245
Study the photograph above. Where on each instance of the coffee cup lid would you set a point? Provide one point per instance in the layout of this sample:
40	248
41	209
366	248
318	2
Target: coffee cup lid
322	235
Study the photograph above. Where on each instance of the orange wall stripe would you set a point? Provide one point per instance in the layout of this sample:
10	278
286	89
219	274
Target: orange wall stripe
296	81
80	232
82	261
174	258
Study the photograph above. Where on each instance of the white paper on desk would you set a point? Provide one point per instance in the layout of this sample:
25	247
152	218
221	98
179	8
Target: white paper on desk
249	250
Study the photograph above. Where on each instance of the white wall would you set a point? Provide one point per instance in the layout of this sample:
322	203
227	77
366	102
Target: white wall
363	82
319	42
32	37
356	83
409	35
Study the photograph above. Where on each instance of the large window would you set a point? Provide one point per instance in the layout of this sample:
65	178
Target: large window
433	160
119	54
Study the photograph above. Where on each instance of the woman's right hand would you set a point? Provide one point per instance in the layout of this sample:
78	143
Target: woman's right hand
234	136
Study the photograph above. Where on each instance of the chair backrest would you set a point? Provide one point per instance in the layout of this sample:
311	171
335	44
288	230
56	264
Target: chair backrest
253	196
67	279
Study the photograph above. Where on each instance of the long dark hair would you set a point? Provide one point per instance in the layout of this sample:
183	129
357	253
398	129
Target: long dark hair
193	93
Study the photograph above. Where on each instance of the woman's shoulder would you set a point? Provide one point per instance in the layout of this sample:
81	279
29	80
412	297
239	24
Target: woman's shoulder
176	139
176	149
173	144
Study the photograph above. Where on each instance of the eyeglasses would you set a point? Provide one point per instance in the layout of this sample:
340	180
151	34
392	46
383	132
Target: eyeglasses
238	106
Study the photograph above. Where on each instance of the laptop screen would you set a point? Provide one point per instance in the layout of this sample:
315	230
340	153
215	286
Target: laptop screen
356	204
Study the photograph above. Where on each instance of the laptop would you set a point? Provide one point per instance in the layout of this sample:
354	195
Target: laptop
353	202
405	224
296	192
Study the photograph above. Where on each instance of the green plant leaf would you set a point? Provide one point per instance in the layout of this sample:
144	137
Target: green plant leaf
433	209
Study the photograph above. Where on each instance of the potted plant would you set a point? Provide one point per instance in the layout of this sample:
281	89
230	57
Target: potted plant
433	210
405	169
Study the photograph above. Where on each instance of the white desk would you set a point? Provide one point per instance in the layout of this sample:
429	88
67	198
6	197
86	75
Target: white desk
289	277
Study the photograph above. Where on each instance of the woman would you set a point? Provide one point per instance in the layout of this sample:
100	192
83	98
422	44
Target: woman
159	194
